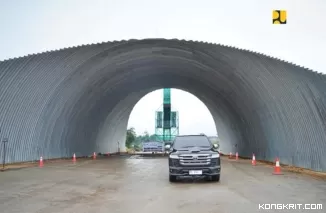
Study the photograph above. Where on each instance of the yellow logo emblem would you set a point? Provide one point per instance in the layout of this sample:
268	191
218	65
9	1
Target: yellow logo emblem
279	16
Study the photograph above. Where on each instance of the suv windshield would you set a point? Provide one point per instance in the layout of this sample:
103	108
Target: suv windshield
191	141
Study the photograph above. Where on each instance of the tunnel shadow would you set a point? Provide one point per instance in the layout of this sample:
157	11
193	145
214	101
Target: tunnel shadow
194	180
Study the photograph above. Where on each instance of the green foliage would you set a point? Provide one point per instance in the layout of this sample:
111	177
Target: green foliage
135	142
131	137
146	137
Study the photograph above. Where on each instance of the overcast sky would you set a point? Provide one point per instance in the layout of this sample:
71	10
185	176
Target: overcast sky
35	26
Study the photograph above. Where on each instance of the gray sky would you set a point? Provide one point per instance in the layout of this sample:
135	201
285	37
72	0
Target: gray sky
39	25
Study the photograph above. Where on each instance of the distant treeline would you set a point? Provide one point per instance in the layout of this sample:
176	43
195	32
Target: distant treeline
134	141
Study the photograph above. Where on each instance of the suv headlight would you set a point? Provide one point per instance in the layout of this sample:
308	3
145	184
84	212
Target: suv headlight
172	156
215	155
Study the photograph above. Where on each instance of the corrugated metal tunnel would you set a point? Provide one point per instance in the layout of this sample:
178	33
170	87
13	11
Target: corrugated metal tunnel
78	100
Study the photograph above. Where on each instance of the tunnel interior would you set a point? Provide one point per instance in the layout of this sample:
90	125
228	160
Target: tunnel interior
79	99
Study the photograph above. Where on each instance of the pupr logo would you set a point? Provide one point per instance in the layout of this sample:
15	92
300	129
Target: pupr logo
279	17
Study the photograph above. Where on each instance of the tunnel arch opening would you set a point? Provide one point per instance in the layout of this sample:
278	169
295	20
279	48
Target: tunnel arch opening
272	108
228	133
191	115
227	137
191	111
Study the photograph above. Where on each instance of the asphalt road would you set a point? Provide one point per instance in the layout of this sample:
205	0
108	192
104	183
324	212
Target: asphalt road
131	185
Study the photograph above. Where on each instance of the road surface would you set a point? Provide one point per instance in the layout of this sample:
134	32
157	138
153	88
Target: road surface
125	185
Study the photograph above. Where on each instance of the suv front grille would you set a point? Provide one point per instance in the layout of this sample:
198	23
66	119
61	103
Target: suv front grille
195	159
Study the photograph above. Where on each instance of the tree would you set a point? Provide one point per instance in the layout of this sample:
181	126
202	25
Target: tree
135	141
131	137
152	137
145	136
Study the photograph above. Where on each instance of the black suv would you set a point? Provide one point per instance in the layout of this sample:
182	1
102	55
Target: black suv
193	155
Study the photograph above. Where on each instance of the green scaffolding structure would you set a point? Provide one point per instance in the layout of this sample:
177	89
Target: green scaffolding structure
166	120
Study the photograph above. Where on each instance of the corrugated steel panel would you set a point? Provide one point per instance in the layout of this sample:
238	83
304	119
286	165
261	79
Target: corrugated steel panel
78	100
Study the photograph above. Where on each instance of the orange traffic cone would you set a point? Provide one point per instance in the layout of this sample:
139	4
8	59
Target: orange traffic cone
230	156
74	158
41	162
277	168
236	156
94	156
253	161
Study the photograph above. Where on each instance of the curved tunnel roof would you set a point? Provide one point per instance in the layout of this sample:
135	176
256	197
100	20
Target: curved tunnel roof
78	100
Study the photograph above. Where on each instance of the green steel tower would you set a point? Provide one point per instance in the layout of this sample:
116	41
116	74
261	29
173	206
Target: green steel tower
166	120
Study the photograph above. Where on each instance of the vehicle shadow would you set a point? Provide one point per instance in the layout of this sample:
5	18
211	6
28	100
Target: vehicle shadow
192	180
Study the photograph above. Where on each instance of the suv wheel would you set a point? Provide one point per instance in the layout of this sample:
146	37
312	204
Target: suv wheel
173	178
216	178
